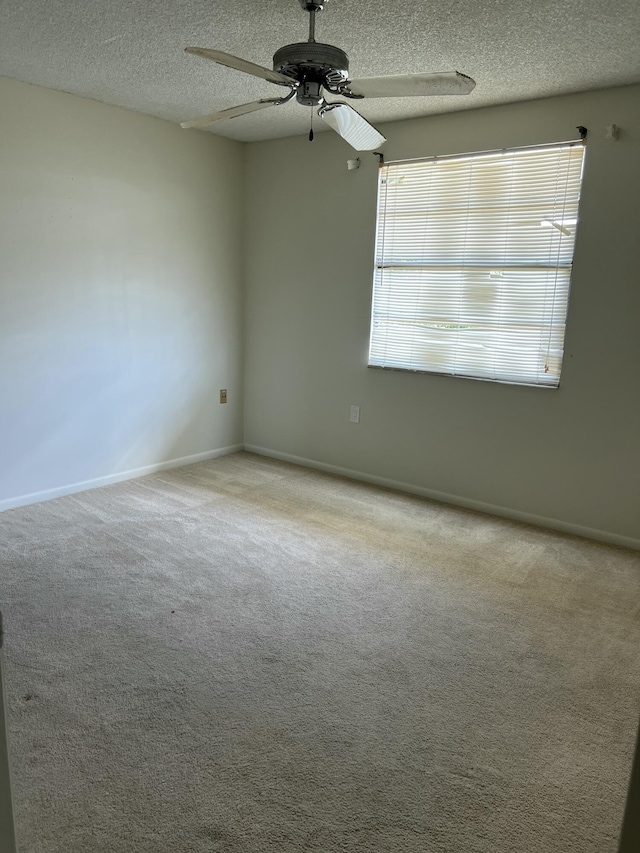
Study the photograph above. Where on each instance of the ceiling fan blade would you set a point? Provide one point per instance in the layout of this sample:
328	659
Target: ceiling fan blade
232	112
351	126
231	61
413	85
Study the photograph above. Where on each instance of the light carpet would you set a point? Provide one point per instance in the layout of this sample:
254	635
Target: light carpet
251	657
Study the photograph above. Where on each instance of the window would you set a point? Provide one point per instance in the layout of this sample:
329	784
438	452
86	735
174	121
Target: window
473	263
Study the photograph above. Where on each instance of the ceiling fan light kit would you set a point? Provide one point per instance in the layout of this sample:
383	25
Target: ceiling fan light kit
309	69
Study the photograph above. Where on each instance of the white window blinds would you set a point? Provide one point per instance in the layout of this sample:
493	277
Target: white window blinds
473	263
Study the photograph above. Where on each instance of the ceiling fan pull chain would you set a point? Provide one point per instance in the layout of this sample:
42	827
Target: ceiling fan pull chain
311	130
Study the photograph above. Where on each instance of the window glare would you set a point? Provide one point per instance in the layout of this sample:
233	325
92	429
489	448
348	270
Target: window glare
473	263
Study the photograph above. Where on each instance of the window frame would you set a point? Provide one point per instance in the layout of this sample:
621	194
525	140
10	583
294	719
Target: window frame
554	270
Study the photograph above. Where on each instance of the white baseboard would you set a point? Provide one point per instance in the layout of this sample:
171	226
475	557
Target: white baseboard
432	494
456	500
49	494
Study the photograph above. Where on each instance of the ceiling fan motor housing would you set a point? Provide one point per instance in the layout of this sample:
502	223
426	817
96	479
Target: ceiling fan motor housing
313	65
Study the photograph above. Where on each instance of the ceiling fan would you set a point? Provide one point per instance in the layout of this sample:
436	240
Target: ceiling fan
309	69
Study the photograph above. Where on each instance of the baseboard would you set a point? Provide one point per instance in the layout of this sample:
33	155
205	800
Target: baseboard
456	500
49	494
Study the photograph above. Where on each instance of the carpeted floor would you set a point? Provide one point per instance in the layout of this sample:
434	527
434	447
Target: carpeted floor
250	657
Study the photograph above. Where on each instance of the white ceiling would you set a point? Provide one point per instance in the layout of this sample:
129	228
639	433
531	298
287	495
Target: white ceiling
130	52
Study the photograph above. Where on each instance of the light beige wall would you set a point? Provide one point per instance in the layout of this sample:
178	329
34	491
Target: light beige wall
568	456
120	292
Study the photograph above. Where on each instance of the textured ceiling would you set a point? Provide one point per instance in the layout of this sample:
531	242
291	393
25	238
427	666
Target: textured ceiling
130	52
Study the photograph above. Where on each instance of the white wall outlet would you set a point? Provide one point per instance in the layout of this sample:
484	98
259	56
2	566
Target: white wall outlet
354	417
223	395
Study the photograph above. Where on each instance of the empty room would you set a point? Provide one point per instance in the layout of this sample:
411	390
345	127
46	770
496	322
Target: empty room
319	426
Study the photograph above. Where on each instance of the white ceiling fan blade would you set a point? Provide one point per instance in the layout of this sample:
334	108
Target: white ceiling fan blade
231	61
232	112
351	126
413	85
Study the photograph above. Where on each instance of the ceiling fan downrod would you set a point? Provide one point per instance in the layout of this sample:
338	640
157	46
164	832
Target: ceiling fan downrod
312	6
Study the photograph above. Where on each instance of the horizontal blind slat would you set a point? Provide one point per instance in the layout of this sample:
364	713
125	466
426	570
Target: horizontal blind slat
473	263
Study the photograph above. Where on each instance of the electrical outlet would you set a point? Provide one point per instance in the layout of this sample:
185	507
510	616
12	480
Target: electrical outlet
355	415
223	395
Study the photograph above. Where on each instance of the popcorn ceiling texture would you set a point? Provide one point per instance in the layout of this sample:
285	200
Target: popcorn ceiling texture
130	52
